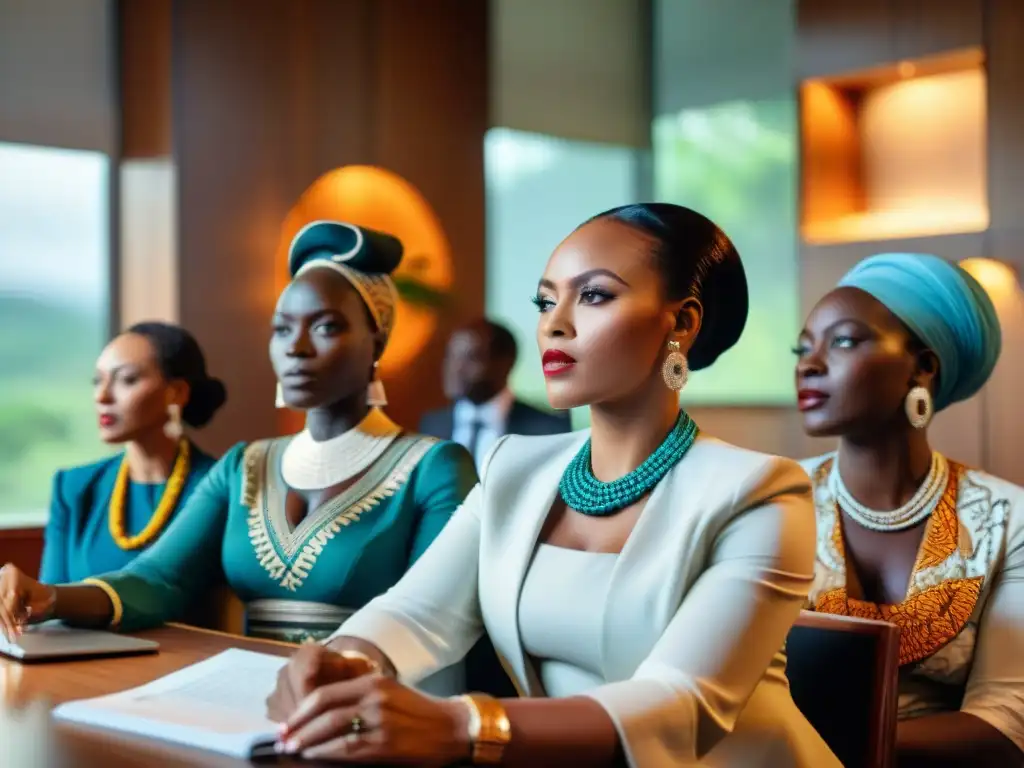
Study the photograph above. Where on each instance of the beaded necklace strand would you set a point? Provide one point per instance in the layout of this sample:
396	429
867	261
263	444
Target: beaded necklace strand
164	510
583	492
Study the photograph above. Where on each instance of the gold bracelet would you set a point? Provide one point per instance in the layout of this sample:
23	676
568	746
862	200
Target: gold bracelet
360	656
116	606
489	728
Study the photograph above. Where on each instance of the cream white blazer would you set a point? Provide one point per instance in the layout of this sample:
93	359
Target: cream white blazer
701	598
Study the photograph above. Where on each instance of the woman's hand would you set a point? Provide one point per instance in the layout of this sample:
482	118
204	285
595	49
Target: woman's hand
375	719
312	666
23	600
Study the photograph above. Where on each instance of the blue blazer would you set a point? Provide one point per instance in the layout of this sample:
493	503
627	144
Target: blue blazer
77	542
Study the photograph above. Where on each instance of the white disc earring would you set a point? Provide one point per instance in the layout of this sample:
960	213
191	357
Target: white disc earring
279	398
674	370
172	427
918	407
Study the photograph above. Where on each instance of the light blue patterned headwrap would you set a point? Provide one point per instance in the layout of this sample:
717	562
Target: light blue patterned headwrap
945	308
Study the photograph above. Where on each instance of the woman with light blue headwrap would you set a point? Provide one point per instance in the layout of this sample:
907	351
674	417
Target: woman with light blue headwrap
906	535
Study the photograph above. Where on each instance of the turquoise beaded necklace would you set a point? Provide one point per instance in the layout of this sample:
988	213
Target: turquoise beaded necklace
585	493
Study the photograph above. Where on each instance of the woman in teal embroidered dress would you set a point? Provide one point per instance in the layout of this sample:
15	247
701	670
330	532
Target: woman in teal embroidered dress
149	380
303	529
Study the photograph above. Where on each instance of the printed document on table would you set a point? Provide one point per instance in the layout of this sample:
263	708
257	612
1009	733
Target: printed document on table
218	704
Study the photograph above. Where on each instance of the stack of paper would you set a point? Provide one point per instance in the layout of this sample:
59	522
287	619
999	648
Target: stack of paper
218	704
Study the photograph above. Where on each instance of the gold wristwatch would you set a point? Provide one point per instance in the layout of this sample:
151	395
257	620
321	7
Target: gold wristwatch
489	728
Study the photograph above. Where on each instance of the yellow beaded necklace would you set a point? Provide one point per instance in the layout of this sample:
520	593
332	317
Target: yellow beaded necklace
164	509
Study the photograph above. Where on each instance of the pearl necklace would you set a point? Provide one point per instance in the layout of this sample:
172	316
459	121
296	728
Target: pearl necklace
910	514
309	465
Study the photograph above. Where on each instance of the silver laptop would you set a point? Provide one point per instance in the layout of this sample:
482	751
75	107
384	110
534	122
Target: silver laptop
53	640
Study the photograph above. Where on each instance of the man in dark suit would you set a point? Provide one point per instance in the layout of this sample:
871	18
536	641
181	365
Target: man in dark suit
478	361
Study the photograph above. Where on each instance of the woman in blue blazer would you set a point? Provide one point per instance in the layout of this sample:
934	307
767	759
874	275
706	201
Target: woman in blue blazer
150	380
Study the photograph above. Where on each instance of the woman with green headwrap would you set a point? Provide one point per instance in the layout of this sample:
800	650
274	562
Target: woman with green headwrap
906	535
305	529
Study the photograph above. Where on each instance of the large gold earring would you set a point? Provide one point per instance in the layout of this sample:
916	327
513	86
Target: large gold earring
172	427
674	370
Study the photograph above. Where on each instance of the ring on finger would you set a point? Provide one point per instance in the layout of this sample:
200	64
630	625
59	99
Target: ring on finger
356	726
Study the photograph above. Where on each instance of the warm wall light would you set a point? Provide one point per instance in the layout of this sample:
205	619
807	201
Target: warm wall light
379	199
999	279
895	152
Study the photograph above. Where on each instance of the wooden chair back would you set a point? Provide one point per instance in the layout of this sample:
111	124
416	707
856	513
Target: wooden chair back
843	674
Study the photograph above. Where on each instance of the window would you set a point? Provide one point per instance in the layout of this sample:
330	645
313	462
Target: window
539	188
54	303
736	163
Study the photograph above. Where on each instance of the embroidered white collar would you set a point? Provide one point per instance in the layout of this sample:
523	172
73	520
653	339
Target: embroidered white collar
309	465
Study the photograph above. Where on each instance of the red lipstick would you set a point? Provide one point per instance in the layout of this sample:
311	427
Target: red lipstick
809	399
107	420
557	362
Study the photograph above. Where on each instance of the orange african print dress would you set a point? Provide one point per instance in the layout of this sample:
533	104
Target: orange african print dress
962	620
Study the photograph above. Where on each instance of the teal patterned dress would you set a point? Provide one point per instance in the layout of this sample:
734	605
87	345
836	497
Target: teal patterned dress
296	583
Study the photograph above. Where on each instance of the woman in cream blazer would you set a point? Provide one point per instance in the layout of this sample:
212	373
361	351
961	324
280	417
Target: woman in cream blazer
648	627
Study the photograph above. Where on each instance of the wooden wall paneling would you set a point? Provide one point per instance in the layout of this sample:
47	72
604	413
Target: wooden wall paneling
777	431
144	50
334	100
431	86
261	108
331	52
148	284
22	547
1003	404
1004	30
843	35
231	133
927	27
1005	61
839	36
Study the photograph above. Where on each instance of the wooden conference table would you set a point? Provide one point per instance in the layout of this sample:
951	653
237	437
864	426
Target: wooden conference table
81	747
